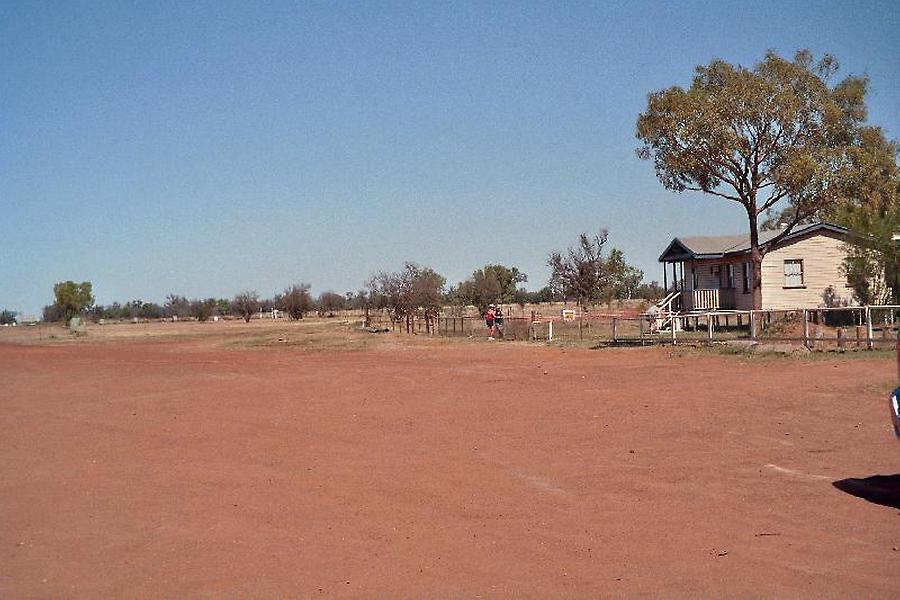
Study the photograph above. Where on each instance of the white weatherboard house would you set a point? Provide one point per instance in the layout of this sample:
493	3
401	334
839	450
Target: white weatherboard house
714	272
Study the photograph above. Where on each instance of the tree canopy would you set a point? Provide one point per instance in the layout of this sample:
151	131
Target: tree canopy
245	304
776	136
71	299
872	209
330	302
401	293
296	300
588	275
491	283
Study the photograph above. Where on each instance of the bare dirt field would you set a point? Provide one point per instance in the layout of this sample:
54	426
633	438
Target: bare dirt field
195	461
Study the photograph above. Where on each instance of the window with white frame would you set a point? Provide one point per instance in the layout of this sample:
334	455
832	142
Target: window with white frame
729	276
748	285
793	273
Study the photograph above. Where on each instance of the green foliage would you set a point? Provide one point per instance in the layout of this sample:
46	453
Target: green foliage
52	313
223	307
7	317
296	300
402	293
587	275
545	294
70	300
650	291
111	311
358	300
777	137
490	284
508	280
624	279
202	310
871	209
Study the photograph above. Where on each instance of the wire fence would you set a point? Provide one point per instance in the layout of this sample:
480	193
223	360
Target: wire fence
840	327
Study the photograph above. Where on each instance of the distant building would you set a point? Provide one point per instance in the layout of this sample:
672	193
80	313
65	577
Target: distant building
715	272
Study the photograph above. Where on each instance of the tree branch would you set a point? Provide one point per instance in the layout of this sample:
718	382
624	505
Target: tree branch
719	194
773	199
789	228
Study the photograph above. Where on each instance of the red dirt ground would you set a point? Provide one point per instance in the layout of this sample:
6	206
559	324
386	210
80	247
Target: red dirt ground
178	468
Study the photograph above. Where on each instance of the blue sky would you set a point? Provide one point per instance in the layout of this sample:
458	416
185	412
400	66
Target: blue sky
207	148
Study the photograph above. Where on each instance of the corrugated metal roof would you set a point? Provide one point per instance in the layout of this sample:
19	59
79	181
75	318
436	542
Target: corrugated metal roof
718	245
722	244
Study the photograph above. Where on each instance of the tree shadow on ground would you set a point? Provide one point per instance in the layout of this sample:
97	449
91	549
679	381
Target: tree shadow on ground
878	489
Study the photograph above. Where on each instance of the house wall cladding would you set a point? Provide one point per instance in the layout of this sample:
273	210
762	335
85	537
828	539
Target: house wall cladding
822	254
707	278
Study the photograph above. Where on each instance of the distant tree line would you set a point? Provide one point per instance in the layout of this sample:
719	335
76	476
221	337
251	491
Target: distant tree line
585	274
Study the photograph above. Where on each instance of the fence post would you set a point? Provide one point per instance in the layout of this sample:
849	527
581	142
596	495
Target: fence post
673	318
641	321
840	337
752	324
806	328
709	330
870	341
614	329
550	331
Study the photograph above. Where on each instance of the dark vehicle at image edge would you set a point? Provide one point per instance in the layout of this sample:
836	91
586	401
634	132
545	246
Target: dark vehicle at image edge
895	411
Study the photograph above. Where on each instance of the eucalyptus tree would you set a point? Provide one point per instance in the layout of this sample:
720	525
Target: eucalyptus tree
71	299
401	293
775	137
588	274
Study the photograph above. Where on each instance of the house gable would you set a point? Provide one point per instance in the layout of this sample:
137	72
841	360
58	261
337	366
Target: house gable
821	255
675	251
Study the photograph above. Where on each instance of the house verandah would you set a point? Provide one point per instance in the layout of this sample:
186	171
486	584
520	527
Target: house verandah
708	280
715	272
710	283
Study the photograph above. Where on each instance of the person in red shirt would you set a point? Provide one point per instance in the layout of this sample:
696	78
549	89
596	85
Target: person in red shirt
489	321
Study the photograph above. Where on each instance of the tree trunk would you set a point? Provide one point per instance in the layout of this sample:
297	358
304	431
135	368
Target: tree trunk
756	257
756	268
